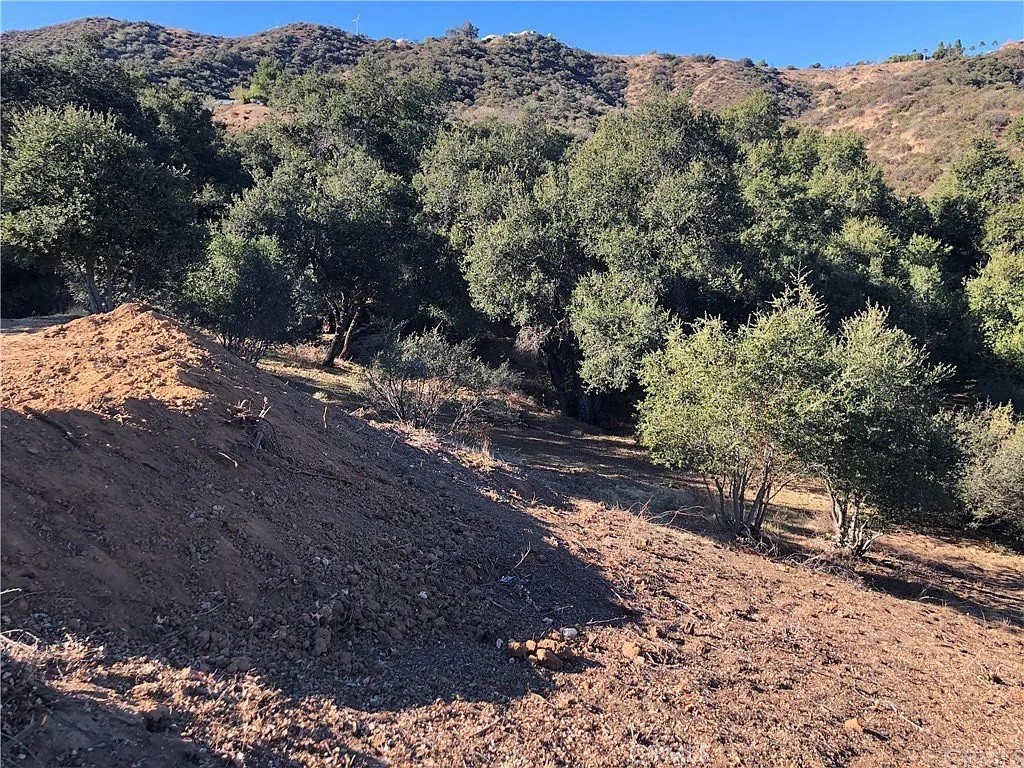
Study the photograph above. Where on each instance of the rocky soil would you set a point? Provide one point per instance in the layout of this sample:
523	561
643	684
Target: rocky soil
202	564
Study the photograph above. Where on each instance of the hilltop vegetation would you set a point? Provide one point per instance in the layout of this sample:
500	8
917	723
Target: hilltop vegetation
916	115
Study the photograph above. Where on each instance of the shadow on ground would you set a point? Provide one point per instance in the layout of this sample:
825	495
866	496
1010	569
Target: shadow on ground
163	533
611	469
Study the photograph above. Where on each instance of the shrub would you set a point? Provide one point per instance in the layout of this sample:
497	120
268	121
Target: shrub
874	438
996	301
992	481
426	381
751	409
243	293
733	405
898	57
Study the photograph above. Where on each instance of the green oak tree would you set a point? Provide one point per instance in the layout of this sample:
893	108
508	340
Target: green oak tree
81	193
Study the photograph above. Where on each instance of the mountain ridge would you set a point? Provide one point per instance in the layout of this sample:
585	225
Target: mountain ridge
916	116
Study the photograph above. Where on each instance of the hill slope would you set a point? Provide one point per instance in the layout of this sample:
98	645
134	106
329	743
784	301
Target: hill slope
917	116
186	582
142	487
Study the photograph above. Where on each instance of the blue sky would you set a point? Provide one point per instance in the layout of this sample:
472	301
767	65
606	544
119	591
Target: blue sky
799	33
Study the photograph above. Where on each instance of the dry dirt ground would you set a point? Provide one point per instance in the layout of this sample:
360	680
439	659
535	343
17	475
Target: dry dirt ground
189	582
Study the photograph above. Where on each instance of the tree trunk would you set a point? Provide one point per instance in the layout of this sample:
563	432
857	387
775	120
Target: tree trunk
558	379
346	344
561	361
338	340
589	407
92	294
722	514
108	291
334	350
840	514
341	344
760	505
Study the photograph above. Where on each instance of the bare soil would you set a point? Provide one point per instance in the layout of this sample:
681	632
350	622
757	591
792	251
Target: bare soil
187	581
241	117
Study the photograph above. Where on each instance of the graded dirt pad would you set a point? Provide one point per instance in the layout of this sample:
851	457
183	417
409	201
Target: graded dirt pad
196	584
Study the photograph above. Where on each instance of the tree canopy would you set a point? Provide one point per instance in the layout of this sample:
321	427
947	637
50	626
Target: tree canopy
82	193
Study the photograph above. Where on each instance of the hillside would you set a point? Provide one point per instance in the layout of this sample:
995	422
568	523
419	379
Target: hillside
916	116
204	565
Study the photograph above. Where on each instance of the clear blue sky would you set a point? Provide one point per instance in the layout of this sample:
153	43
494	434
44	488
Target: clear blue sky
797	33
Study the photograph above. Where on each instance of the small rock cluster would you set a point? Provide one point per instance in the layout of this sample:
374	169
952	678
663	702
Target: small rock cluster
551	652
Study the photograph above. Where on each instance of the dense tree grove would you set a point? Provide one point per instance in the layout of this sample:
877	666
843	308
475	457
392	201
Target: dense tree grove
756	289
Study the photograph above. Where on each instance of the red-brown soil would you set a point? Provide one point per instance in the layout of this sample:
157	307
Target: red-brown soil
240	117
188	583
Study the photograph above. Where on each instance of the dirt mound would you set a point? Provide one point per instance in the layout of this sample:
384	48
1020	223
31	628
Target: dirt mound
159	488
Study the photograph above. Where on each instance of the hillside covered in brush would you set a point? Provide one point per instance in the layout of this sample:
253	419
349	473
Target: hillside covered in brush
916	115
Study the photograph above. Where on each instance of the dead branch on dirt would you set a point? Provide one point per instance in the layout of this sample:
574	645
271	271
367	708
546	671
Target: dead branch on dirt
221	453
308	473
526	554
823	563
244	415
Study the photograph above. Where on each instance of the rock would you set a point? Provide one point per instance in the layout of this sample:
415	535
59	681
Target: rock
321	641
517	650
853	726
531	646
564	651
191	673
549	659
631	650
239	664
568	633
656	631
157	720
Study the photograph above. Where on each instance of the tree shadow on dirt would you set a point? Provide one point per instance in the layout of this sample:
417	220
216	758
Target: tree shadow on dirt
890	567
987	597
995	610
576	467
608	470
